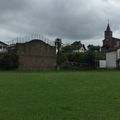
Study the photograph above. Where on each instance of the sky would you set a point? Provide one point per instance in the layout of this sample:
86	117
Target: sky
70	20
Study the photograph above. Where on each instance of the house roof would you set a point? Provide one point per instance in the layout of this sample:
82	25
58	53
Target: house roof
77	45
3	43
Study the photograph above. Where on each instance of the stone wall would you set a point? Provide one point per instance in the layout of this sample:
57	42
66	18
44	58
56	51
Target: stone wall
36	55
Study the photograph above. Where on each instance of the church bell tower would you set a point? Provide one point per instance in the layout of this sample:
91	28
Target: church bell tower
108	33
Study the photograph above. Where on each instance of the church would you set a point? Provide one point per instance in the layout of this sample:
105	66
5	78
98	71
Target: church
110	43
111	46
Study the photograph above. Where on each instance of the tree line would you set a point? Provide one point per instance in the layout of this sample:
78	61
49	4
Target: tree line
66	58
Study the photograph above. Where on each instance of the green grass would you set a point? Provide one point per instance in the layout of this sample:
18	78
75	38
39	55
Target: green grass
87	95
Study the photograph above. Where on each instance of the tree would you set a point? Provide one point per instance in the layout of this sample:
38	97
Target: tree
8	61
93	48
67	49
90	59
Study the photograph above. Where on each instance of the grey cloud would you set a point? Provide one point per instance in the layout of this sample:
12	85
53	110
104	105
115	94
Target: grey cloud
73	19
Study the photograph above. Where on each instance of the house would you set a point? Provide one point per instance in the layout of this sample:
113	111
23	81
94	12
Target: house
35	55
3	47
110	42
113	58
77	46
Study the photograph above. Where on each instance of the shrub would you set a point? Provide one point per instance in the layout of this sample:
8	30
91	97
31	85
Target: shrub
8	61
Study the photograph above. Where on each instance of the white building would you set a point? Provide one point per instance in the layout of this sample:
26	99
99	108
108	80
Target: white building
113	58
78	47
3	47
81	49
102	63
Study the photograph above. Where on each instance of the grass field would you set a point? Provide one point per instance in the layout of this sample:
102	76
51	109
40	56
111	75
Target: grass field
87	95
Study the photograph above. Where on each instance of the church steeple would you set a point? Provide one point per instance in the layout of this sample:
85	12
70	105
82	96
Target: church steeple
108	28
108	33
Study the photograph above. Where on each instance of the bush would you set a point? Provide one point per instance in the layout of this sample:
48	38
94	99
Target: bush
8	61
77	61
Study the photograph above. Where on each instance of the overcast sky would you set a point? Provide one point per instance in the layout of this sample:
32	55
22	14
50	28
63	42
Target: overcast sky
67	19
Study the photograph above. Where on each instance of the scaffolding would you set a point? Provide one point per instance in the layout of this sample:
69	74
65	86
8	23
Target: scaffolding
28	38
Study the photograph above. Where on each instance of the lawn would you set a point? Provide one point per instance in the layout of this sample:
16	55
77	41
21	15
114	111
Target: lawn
91	95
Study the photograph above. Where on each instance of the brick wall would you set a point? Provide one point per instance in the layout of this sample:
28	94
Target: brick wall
36	55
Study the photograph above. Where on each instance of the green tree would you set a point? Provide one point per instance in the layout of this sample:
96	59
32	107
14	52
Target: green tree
93	48
8	61
90	59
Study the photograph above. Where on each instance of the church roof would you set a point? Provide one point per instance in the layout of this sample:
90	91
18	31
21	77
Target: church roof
108	28
115	39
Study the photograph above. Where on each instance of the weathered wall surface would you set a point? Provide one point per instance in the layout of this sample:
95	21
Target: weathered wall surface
102	63
36	55
111	58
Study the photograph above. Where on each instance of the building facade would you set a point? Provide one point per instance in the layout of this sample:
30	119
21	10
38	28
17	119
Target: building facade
3	47
35	55
113	59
